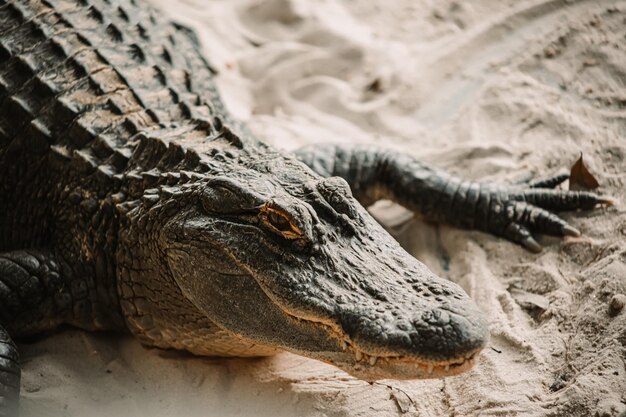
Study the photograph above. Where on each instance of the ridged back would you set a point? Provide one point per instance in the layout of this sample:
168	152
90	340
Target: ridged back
101	96
82	78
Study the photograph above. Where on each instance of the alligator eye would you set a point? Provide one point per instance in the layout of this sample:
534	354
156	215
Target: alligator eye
279	223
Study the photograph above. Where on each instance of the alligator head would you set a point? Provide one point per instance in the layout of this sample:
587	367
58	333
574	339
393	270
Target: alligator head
283	258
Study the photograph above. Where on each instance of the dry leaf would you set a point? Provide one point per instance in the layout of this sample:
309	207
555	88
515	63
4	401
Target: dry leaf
580	177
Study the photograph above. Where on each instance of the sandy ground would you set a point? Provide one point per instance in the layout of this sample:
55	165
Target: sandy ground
489	89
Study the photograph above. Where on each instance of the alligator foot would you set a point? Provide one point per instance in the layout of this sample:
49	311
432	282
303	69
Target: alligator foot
9	375
34	297
513	211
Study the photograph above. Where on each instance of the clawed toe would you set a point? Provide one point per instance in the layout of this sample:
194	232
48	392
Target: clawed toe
518	233
568	230
524	219
550	182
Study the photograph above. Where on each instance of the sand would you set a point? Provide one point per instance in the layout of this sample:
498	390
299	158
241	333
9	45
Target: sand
491	90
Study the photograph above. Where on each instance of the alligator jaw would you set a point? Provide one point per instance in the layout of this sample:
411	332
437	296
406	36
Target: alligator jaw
372	367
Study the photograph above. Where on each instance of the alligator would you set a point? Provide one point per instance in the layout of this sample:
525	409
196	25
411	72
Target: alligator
132	201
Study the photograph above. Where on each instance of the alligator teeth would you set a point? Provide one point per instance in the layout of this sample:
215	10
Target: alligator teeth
430	368
447	368
359	355
373	360
344	345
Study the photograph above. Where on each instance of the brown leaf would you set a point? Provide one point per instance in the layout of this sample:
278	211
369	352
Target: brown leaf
580	177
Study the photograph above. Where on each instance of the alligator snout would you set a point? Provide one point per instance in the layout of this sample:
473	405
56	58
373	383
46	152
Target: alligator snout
428	330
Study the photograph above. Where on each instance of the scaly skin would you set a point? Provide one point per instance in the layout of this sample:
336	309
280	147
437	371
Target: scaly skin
509	211
130	200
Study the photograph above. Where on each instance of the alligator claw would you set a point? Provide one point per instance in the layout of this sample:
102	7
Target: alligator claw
531	244
607	201
570	231
518	233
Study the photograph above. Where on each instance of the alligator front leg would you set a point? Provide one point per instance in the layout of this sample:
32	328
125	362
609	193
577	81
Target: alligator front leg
507	210
35	296
9	375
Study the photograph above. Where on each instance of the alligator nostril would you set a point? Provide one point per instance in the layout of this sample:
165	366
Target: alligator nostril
435	317
403	325
442	317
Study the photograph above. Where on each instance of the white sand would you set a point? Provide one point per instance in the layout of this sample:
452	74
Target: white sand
488	89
